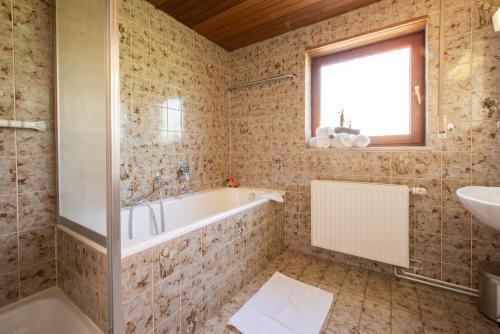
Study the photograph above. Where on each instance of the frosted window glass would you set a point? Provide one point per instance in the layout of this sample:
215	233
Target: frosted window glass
373	91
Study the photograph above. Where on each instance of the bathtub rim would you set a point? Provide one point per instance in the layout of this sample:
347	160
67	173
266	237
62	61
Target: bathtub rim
137	246
140	245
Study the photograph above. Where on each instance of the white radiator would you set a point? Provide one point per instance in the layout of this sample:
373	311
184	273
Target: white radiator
362	219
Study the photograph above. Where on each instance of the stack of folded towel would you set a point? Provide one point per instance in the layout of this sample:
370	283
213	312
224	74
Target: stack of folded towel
327	137
319	142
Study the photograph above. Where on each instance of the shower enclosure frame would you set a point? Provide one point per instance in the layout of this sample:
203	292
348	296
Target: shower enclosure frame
112	241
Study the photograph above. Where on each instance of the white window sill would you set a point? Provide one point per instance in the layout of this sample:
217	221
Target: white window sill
377	148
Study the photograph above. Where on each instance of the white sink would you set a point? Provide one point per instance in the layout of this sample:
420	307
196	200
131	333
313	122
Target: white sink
483	203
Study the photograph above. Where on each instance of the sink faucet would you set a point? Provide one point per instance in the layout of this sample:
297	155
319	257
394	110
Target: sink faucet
183	177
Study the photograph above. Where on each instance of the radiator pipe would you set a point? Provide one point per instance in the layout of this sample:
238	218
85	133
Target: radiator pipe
435	283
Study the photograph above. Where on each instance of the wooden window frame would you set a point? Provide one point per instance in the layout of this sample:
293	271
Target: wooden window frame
416	42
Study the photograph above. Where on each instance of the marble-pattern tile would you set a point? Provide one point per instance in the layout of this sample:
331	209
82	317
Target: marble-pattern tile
8	253
36	246
137	314
176	254
458	20
428	219
8	176
93	272
456	165
456	251
30	28
485	136
37	278
73	253
26	93
41	6
174	94
485	166
167	298
211	238
402	164
170	326
82	275
7	142
6	97
191	283
427	164
9	288
192	286
8	214
36	173
37	209
35	142
33	101
456	274
137	275
456	222
72	285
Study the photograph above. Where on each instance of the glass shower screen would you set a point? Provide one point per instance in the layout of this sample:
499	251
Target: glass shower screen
82	113
87	101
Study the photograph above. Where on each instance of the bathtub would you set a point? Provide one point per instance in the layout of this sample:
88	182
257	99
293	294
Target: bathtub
185	214
211	245
47	312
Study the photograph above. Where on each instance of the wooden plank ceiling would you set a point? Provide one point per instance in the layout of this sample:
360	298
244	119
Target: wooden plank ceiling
233	24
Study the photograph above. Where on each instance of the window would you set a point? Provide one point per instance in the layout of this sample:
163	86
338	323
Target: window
379	87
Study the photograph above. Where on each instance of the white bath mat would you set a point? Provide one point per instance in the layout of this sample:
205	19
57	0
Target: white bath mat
283	306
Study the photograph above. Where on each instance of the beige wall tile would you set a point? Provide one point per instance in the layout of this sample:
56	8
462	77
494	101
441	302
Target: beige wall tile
37	209
37	245
9	288
37	278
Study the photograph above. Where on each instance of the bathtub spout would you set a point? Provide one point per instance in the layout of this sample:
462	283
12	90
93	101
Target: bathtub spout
152	217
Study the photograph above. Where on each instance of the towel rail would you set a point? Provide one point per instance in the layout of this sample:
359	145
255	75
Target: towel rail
256	82
38	126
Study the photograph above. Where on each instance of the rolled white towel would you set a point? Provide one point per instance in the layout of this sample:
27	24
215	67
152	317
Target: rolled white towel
326	131
342	140
319	142
361	141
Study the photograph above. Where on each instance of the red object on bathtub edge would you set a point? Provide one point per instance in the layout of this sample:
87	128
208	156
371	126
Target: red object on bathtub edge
231	182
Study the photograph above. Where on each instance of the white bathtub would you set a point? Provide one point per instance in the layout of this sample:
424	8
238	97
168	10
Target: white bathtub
185	214
47	312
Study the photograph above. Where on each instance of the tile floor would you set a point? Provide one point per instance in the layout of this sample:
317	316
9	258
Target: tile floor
366	301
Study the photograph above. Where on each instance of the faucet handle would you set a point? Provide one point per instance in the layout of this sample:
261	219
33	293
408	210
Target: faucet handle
159	181
182	169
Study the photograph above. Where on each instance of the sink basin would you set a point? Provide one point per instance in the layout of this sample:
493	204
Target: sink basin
483	203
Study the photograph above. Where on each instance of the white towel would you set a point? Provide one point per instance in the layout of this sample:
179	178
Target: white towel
283	306
319	142
361	141
342	140
275	197
326	131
